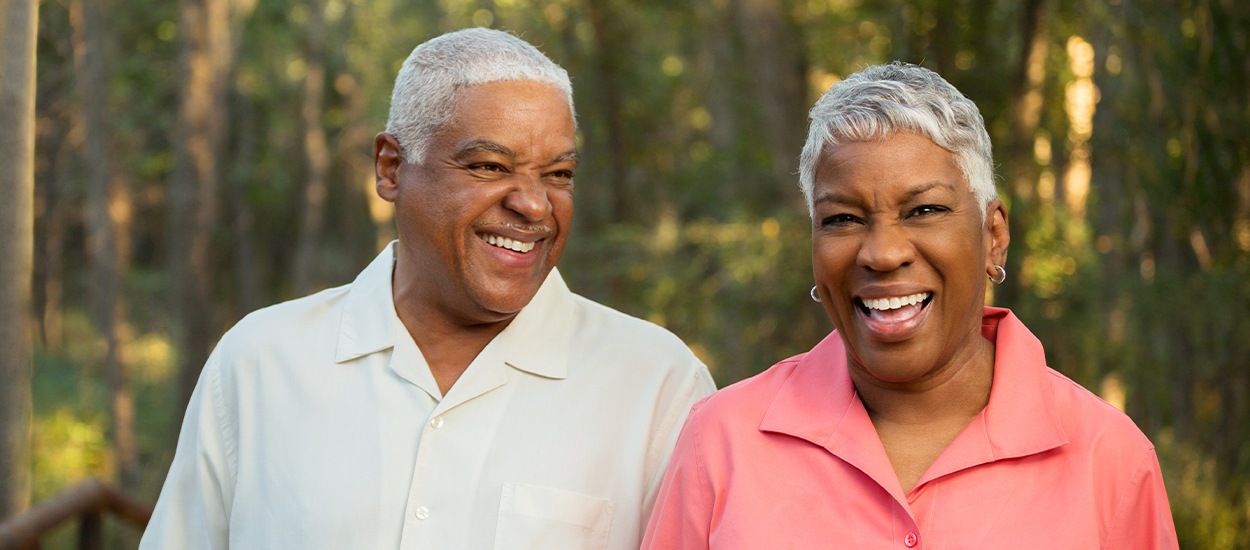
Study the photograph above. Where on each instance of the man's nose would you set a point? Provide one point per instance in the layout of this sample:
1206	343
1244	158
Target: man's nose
528	197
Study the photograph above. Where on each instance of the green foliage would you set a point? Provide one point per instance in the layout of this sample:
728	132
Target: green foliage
757	272
1137	289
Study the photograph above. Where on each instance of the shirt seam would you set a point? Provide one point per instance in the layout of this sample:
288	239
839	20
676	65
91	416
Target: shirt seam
1122	507
668	420
227	428
705	480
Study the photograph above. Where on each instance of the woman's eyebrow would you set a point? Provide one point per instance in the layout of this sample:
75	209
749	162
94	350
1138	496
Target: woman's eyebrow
926	187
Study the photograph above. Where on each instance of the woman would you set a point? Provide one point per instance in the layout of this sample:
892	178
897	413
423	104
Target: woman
926	420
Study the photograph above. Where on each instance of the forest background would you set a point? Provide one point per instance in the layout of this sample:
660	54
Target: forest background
199	159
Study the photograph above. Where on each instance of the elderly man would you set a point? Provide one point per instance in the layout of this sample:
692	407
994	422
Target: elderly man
457	394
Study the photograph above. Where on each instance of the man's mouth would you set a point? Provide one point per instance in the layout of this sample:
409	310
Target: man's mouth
507	243
894	309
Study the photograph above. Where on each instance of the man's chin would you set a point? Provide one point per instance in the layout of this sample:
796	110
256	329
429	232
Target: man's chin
506	300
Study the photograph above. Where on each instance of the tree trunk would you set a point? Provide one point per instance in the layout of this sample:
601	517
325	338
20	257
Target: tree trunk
352	148
316	154
205	64
775	56
18	24
51	218
1026	113
609	48
108	214
715	58
247	274
238	180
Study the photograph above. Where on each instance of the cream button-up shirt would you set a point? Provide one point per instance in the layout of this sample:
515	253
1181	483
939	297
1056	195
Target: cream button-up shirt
317	424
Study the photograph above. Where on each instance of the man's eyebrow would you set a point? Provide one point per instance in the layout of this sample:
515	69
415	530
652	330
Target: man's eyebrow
567	156
484	145
488	146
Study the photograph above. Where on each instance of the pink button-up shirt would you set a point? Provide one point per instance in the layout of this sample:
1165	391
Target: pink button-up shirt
790	459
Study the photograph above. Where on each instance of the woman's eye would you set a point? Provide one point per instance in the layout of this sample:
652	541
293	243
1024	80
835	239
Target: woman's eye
839	220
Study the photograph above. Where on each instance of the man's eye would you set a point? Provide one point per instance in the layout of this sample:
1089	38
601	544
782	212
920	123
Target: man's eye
929	210
486	167
563	174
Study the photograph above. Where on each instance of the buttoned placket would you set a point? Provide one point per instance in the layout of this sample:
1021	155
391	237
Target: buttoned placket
448	441
905	528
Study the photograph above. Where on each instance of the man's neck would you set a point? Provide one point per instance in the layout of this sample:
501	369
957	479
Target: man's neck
448	347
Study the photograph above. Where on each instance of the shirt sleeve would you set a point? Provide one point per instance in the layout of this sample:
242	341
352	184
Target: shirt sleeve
696	386
682	516
1143	519
192	512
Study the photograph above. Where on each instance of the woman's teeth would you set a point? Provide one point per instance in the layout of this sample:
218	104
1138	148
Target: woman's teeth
885	304
504	242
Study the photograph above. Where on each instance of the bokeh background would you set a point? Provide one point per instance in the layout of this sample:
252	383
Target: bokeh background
199	159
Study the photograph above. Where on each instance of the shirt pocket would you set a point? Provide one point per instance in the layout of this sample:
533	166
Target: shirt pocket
533	517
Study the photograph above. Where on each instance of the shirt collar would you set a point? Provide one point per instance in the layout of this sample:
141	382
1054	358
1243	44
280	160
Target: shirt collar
818	403
1021	417
536	341
369	319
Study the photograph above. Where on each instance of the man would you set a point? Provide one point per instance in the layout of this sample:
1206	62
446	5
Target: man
457	394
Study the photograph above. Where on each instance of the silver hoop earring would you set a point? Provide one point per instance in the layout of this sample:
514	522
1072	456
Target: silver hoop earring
1002	275
815	297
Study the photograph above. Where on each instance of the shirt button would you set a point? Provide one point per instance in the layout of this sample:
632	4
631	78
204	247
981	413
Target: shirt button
436	422
421	513
910	540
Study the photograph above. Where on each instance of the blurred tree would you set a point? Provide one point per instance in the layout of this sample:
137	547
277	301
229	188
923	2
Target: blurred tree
18	23
609	49
316	155
108	238
1120	128
194	183
776	59
55	158
1027	77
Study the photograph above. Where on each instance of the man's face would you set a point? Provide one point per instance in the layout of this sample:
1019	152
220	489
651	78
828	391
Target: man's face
484	215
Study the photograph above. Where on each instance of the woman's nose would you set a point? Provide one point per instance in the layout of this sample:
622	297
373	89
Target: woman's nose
886	247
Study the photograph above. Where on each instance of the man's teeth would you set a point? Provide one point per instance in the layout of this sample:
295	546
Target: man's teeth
504	242
884	304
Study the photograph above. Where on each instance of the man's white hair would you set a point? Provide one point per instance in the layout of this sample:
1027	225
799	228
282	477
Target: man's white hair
880	101
426	89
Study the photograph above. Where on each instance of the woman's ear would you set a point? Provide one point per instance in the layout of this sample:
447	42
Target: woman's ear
388	157
999	235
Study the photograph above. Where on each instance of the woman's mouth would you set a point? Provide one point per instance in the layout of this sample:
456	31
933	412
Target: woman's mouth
896	306
893	318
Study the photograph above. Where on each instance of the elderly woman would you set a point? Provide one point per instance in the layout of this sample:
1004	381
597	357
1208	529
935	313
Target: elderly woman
926	419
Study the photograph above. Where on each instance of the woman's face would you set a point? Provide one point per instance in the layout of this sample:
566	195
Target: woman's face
901	255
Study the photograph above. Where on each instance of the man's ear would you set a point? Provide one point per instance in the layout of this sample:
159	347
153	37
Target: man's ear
999	235
388	158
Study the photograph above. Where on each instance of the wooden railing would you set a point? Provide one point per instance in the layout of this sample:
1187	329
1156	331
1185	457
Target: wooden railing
88	502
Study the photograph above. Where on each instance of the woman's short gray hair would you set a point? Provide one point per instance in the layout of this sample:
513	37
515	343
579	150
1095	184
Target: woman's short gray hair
882	100
424	98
